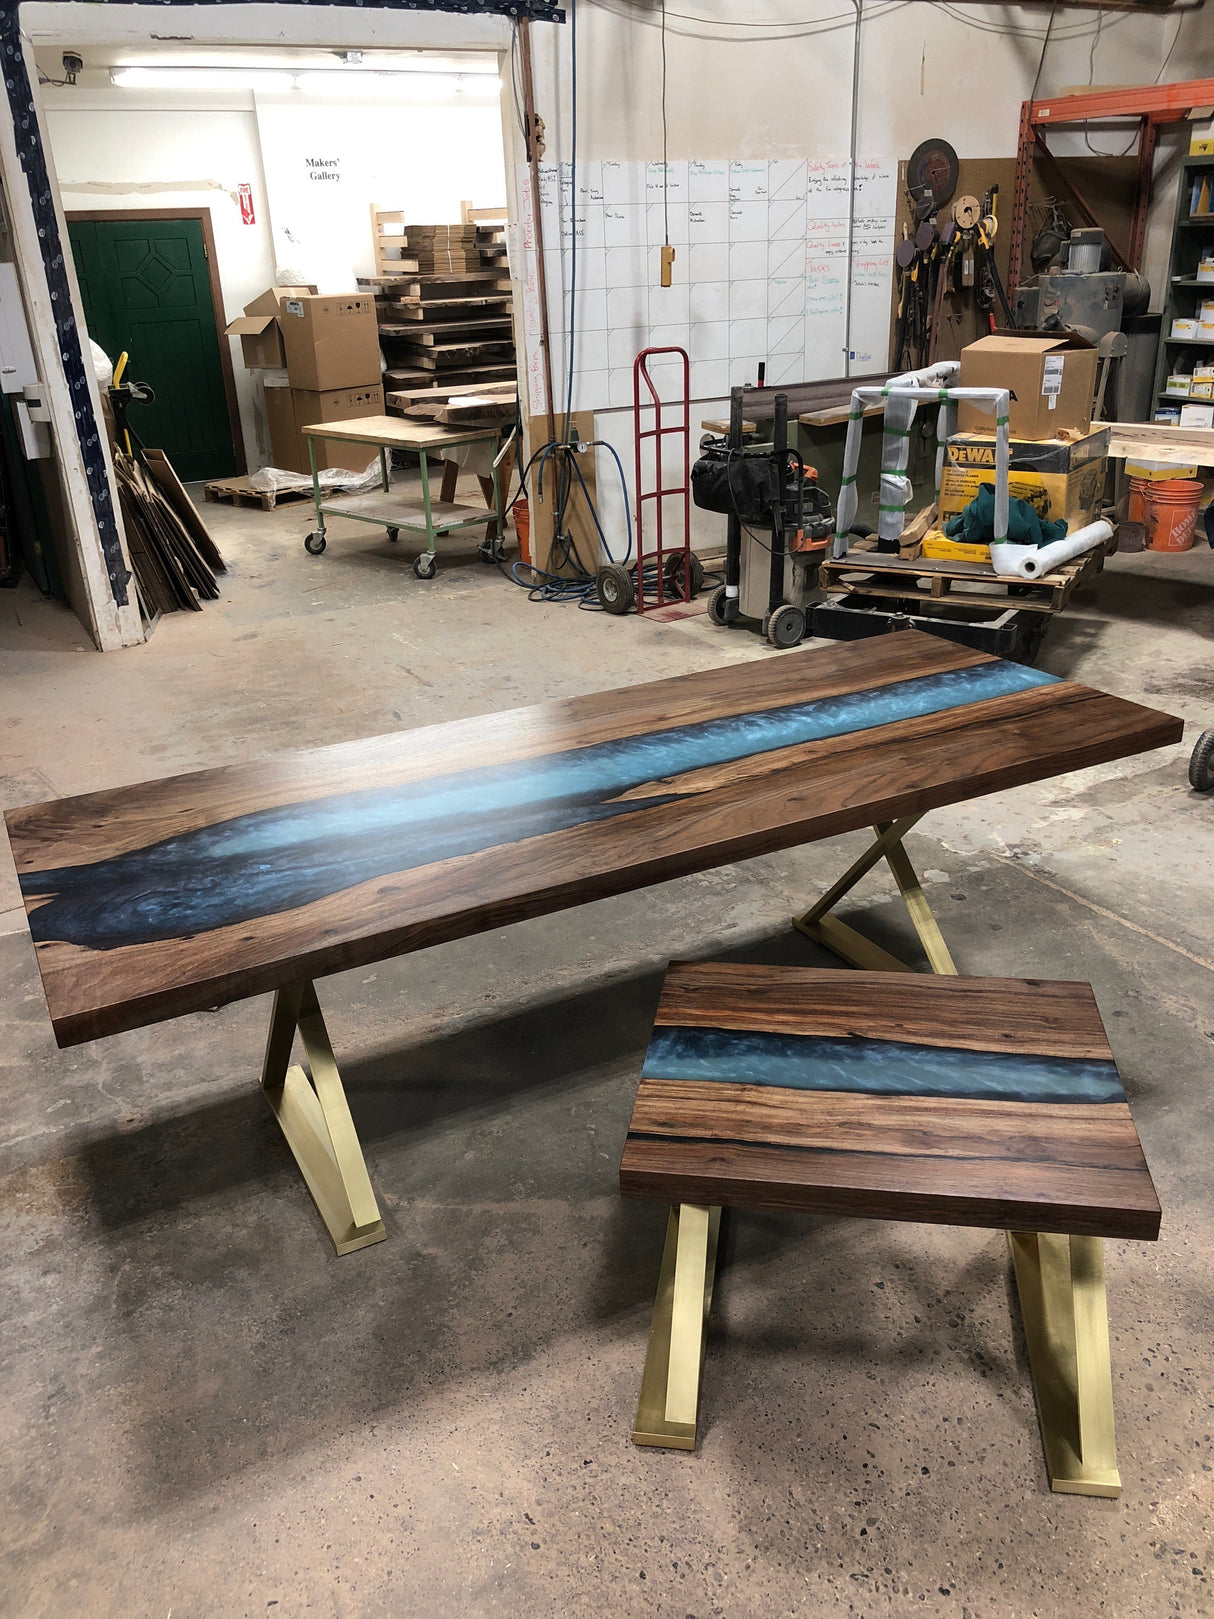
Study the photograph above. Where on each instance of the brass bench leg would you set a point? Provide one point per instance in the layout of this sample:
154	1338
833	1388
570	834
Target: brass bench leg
1060	1281
818	924
315	1118
670	1384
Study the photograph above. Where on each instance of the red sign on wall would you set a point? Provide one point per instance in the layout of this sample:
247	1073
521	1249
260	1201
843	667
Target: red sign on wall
245	194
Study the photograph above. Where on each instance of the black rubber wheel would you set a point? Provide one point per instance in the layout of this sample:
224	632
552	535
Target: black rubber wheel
314	543
785	627
394	534
1201	764
425	566
615	589
716	608
673	571
491	551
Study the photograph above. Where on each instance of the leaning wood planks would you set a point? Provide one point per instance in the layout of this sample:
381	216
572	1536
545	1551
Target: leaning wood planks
150	901
175	564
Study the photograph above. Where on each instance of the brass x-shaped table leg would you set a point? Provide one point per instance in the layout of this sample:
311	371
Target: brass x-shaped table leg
315	1118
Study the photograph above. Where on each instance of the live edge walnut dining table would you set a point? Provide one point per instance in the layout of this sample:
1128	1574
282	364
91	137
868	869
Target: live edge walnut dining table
174	896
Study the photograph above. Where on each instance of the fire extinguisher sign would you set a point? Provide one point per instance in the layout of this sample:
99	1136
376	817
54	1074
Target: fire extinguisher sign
245	195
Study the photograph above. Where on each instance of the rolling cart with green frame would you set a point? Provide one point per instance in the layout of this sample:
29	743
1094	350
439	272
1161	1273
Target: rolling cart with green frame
395	512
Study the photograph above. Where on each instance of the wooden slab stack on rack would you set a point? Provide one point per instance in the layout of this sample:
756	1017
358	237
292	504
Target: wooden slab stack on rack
444	328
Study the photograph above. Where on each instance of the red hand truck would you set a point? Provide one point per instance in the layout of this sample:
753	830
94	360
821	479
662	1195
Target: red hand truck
666	573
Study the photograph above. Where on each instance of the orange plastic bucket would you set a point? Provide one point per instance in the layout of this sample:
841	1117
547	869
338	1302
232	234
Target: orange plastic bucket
522	527
1136	511
1170	513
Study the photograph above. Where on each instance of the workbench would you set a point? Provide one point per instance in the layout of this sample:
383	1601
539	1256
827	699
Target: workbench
431	517
169	897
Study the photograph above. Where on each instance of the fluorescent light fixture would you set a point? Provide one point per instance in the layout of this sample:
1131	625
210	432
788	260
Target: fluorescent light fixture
353	83
201	78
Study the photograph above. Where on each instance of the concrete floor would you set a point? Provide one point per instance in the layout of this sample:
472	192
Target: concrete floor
206	1413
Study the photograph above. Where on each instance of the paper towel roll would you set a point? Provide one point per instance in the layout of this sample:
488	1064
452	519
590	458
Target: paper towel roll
1031	561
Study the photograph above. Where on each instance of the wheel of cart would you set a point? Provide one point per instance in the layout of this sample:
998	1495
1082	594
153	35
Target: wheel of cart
1201	763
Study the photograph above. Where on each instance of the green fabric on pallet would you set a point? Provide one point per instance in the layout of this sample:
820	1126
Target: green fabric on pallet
976	524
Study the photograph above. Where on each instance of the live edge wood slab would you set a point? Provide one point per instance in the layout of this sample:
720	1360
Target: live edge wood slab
960	1101
168	897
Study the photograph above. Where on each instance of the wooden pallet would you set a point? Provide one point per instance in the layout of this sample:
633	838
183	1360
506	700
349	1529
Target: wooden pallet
240	492
866	573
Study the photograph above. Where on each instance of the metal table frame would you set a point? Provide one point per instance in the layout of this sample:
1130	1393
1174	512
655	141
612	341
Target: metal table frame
430	527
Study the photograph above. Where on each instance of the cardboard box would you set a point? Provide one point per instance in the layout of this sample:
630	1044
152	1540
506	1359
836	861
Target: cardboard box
287	449
259	331
1051	375
337	405
331	342
1058	478
287	410
1197	415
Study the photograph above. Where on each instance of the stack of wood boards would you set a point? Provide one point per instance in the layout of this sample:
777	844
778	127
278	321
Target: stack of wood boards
491	244
174	557
443	247
490	407
444	328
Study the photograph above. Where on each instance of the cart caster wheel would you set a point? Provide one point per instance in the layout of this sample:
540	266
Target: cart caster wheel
615	589
314	543
674	570
718	609
1201	765
491	551
785	627
425	566
394	534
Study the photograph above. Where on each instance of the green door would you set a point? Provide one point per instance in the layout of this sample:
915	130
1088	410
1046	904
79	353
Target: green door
146	289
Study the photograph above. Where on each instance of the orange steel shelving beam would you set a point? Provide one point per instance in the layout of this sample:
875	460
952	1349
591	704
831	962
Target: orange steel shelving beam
1151	104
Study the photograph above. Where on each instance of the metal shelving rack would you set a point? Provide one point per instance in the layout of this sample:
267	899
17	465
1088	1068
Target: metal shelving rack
1183	292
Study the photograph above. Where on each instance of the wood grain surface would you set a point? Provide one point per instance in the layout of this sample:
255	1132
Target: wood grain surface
159	899
1035	1163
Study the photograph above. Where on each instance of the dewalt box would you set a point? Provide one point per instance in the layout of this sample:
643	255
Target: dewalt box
1059	479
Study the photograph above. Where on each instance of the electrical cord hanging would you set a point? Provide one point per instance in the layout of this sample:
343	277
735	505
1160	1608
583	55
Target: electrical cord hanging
665	142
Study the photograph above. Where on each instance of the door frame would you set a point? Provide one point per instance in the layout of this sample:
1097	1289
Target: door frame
203	215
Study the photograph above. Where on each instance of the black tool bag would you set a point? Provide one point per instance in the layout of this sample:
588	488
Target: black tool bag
740	485
749	486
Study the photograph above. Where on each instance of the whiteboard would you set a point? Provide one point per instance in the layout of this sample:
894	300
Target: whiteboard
759	274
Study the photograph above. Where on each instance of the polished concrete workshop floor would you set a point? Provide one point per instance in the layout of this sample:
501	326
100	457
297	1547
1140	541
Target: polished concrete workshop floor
206	1413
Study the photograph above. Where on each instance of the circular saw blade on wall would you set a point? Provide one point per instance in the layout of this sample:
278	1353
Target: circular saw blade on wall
933	165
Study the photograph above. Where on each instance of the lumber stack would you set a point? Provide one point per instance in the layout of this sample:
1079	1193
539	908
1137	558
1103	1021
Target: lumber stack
174	558
473	408
444	248
445	329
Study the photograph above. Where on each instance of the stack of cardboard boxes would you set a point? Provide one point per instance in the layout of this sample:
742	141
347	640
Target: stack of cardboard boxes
1057	461
318	361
